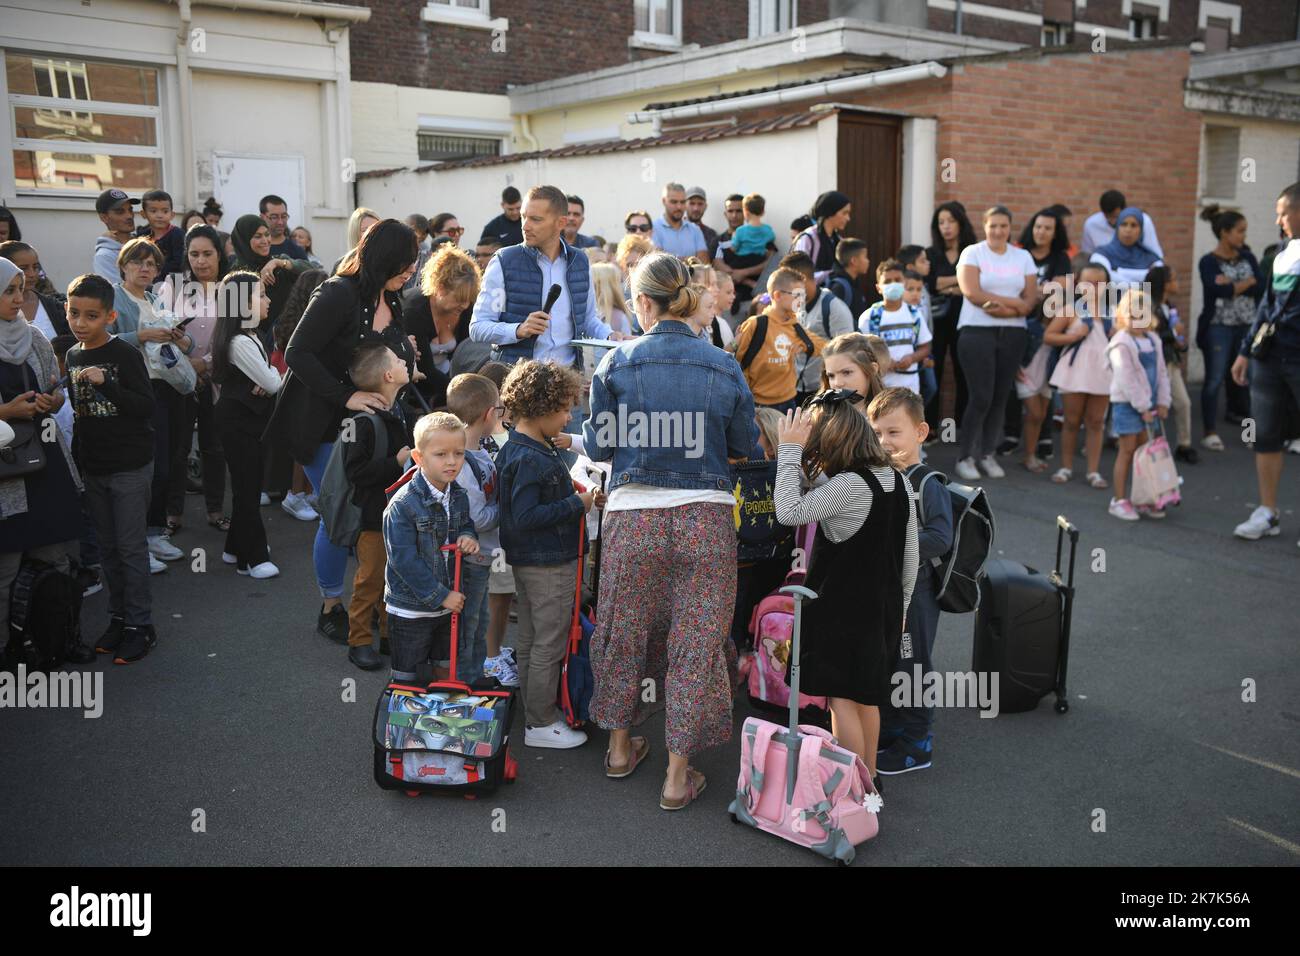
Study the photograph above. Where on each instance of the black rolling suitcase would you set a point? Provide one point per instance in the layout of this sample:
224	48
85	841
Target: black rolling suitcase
1022	628
448	737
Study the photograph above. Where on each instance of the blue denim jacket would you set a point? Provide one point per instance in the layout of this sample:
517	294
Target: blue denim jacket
540	511
416	577
690	400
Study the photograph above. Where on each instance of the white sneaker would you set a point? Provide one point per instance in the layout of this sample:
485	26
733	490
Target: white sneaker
156	566
1262	522
556	736
229	558
1123	509
967	471
298	508
163	549
1293	446
502	669
264	501
991	467
264	570
1212	443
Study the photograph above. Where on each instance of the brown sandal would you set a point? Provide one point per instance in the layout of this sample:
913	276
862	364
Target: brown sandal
695	784
640	750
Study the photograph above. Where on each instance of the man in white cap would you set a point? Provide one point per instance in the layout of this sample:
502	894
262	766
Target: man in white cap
117	213
696	205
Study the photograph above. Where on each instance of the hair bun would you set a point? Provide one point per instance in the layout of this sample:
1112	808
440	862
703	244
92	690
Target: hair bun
1210	212
685	303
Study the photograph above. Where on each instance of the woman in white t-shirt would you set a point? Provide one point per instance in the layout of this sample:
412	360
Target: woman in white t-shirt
999	289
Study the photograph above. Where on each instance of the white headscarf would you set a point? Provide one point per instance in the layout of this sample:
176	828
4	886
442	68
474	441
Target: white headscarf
15	334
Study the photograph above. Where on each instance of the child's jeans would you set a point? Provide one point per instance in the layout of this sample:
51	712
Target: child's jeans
471	644
914	723
414	640
929	385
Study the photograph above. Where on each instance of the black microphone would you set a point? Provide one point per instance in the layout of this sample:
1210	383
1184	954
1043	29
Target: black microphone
551	298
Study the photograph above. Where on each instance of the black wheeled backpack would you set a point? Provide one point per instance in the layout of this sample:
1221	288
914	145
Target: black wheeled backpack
44	616
959	571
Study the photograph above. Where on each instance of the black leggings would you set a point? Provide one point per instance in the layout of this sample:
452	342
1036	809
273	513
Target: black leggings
169	431
197	409
943	349
992	357
246	539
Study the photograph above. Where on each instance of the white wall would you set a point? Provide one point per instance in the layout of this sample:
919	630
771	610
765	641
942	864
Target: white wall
1275	148
386	119
783	167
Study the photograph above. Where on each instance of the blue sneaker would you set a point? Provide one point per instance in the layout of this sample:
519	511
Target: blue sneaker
906	755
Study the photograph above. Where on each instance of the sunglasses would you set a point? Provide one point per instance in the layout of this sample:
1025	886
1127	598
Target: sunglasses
455	231
635	228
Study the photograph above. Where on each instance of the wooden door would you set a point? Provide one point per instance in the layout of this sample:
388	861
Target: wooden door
870	166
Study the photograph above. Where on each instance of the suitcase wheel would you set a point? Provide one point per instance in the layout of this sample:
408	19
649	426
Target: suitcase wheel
1062	706
412	793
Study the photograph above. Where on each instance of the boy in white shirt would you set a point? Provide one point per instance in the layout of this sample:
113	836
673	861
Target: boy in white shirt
900	325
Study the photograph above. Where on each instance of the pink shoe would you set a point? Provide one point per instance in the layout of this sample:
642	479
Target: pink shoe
1123	509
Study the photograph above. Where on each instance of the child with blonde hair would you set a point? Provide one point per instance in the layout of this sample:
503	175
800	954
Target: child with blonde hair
1139	390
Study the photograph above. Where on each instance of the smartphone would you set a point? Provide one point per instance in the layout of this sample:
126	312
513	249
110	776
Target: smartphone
184	322
61	383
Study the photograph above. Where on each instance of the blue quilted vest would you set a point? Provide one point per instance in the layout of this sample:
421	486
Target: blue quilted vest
525	293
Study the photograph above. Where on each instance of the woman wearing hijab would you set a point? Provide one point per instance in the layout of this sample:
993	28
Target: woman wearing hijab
830	213
362	302
1124	256
40	514
251	238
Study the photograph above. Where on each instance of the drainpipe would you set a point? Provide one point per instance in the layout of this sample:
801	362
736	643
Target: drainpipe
526	133
190	197
957	20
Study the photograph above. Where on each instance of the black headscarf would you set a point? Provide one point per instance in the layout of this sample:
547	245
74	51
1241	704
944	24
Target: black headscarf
828	204
245	257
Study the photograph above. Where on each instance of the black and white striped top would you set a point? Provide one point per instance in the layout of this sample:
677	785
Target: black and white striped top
840	506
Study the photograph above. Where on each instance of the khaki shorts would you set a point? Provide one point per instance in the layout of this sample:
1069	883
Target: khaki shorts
501	582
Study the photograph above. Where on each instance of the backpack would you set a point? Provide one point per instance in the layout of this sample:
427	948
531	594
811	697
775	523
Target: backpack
759	536
841	288
44	616
874	317
340	514
960	569
760	336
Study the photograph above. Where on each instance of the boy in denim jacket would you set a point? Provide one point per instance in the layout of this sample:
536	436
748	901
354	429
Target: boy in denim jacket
430	510
540	518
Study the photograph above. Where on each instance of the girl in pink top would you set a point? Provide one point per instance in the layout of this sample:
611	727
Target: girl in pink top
1082	372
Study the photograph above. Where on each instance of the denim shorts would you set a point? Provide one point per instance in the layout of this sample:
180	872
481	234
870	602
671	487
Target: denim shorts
1126	419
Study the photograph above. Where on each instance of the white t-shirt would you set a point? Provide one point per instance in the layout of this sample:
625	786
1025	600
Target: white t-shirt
904	331
1000	275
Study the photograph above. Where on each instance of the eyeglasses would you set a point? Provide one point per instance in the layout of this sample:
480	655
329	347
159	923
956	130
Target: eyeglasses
634	227
455	231
499	409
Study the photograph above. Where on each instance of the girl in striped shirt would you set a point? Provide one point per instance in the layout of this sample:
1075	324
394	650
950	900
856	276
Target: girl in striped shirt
863	563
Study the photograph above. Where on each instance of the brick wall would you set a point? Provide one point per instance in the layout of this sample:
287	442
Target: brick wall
1033	131
546	39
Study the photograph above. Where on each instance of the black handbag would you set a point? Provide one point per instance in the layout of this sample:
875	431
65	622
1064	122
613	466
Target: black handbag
25	455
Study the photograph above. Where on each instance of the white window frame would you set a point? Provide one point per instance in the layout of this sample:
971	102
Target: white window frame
1220	11
479	18
1133	32
462	126
649	40
756	29
1060	34
61	105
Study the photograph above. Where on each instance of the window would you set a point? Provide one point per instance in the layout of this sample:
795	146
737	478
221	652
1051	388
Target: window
80	127
1218	35
1057	34
437	147
463	13
657	22
1222	146
772	16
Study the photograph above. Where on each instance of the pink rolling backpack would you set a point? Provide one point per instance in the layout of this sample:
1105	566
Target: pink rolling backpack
797	783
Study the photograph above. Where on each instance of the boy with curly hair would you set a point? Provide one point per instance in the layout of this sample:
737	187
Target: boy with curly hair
540	519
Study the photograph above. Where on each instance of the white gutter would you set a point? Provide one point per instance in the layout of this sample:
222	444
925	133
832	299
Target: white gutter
190	197
294	8
829	89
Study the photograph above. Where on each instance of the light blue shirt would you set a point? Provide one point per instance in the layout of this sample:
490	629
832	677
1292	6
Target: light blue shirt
553	344
683	242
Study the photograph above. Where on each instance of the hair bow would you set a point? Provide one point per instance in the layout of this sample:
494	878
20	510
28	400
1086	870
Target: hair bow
833	396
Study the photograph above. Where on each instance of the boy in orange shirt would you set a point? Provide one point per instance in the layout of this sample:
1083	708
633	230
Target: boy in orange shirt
768	344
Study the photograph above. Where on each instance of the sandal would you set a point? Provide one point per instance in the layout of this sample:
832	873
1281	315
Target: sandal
1035	465
220	522
173	524
1097	481
640	750
1062	475
695	784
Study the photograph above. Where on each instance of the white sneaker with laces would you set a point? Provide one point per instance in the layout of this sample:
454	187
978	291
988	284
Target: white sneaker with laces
296	506
991	467
556	736
1123	509
1263	522
503	669
967	471
1212	442
264	570
162	549
156	566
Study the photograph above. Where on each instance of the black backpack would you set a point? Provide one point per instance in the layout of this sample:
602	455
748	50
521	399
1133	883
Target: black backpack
760	335
960	569
759	536
44	616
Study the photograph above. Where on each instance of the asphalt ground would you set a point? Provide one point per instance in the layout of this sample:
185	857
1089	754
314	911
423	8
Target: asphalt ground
240	713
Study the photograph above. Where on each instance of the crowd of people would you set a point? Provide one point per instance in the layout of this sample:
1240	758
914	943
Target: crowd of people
441	390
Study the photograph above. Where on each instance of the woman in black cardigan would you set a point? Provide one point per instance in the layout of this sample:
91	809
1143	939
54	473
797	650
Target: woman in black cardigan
363	301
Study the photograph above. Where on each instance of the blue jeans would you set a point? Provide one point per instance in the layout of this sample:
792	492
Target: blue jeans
471	644
915	723
330	560
929	385
1224	343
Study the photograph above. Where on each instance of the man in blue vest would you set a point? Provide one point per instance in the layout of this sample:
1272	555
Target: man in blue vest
509	310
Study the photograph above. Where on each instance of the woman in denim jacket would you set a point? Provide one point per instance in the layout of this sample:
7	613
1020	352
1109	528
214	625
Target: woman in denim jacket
667	410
